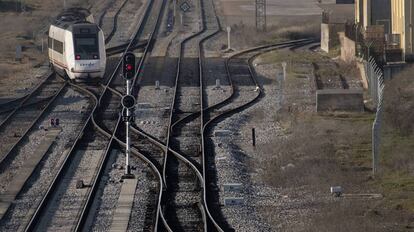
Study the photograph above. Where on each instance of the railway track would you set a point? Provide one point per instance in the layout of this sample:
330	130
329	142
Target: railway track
182	201
87	142
108	37
184	134
20	120
187	202
243	81
111	111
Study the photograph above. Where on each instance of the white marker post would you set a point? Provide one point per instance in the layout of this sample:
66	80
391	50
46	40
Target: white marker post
228	37
128	142
284	65
175	7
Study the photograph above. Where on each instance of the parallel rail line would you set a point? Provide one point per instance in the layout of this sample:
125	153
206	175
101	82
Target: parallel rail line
40	211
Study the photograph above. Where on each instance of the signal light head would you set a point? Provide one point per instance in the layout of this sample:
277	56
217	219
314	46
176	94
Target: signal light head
77	57
129	67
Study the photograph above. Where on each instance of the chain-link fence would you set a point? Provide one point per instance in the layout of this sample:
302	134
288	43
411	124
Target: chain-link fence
376	85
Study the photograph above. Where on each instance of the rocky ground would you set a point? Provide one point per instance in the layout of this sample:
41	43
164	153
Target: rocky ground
70	104
298	156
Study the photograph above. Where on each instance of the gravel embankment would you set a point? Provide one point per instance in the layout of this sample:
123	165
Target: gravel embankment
67	109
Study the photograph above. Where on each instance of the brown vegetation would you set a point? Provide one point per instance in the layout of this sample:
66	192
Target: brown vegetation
399	103
397	141
323	150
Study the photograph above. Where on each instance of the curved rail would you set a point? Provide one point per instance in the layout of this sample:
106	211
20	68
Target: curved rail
42	206
203	155
24	97
11	151
228	99
112	136
115	26
171	124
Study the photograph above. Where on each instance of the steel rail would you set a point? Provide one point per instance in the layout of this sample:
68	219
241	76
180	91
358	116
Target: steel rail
29	104
115	26
231	111
105	11
136	79
110	51
222	103
229	75
24	97
203	155
9	153
112	137
39	210
171	124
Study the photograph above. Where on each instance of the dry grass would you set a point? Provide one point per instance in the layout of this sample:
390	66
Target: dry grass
334	149
399	103
283	30
316	151
320	151
27	30
397	146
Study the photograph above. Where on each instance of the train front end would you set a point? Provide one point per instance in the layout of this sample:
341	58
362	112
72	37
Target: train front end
88	59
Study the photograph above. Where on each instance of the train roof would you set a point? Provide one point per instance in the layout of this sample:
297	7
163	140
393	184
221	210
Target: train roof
72	16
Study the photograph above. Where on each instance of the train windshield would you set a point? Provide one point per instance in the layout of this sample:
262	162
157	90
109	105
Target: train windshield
86	47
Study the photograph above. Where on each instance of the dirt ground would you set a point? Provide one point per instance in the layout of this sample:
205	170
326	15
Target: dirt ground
243	11
310	152
26	28
286	20
290	172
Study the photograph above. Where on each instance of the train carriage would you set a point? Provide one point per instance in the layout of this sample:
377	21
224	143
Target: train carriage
77	45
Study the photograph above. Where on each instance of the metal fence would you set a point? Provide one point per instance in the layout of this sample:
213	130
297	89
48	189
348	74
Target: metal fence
376	85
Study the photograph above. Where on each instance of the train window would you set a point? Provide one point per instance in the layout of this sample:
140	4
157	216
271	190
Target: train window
58	46
84	31
86	47
49	42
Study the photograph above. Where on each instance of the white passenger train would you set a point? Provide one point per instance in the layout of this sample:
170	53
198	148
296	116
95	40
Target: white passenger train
77	45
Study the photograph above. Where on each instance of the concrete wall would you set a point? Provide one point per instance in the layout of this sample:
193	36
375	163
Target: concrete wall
347	48
325	37
339	100
329	35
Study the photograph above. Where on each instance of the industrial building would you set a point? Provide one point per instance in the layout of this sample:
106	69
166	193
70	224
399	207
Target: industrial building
373	12
402	26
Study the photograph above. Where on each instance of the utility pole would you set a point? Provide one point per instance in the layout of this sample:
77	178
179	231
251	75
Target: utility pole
261	15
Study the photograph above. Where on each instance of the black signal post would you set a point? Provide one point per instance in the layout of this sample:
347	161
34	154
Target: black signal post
128	103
